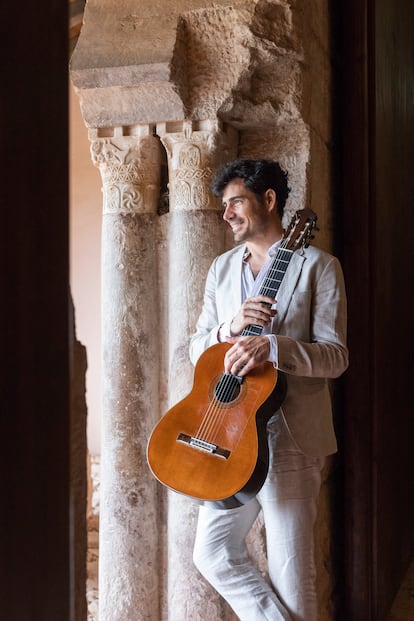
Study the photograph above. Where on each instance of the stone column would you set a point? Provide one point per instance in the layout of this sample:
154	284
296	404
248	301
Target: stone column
129	162
196	236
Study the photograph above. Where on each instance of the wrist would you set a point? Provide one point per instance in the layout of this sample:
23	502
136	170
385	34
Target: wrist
232	332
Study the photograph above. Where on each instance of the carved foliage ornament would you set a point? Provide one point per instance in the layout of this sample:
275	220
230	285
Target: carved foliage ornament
191	179
193	151
129	175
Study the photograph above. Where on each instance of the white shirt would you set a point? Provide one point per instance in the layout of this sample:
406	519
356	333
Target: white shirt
250	287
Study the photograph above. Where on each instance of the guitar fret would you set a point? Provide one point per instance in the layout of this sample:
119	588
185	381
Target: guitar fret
281	260
252	330
272	285
270	291
278	274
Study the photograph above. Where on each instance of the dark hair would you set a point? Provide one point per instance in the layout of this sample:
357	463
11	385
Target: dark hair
257	175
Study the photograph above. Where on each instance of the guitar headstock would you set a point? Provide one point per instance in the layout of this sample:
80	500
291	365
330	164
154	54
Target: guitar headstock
299	232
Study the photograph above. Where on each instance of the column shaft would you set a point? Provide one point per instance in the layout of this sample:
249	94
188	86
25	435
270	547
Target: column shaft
128	569
196	236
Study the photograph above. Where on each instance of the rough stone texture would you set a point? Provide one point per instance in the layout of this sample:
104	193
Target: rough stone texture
238	61
189	596
128	506
125	49
242	63
92	591
316	110
78	474
195	236
129	565
189	70
290	146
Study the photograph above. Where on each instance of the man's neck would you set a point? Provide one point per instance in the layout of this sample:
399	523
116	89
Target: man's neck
259	252
259	249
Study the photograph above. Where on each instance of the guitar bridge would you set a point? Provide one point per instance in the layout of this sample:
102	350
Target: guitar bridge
202	445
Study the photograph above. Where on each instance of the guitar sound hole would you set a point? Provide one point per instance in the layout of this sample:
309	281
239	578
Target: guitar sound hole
227	388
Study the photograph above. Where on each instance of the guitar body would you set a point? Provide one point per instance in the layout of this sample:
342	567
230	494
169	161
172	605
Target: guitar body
212	445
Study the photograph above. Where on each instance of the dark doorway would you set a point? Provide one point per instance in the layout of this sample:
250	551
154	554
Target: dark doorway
377	135
34	314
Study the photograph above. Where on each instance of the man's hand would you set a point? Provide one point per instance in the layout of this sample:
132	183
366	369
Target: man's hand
246	354
254	311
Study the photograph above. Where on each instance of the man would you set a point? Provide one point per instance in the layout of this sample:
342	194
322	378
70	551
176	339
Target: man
304	335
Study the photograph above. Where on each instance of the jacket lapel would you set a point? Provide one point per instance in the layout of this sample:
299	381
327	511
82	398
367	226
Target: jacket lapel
235	271
286	289
284	294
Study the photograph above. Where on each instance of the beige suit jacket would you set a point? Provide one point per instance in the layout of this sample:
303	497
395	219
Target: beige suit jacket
311	336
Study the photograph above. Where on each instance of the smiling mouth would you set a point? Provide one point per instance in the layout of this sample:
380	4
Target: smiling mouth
236	225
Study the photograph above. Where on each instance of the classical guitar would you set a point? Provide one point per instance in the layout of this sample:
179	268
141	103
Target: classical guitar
212	445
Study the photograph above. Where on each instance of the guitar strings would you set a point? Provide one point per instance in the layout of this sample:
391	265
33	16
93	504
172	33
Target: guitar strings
212	420
215	412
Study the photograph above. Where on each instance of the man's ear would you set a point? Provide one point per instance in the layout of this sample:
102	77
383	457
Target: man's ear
270	200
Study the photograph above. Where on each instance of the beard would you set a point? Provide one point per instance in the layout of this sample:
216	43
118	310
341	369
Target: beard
246	230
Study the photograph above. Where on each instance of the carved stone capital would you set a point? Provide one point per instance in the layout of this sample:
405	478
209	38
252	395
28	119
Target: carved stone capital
129	162
194	149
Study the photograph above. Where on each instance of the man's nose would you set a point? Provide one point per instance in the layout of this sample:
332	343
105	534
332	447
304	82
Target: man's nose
228	213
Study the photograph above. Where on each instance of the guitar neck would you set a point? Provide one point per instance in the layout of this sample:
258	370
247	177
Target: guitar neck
271	283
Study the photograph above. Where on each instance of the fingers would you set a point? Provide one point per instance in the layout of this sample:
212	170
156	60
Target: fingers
260	306
254	311
245	354
263	299
234	360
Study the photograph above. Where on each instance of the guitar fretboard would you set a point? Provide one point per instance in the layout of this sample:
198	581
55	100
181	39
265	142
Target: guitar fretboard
271	283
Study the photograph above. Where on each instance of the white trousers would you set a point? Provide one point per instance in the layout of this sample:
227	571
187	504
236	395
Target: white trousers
288	501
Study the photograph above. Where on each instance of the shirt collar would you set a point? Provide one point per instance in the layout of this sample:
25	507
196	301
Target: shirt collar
271	252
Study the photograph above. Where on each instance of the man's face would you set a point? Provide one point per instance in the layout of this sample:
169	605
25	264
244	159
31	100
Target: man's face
247	217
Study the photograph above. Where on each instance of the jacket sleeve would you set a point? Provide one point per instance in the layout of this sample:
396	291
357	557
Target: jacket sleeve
208	325
322	353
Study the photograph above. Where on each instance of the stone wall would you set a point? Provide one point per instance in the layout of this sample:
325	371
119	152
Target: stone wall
184	88
78	473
